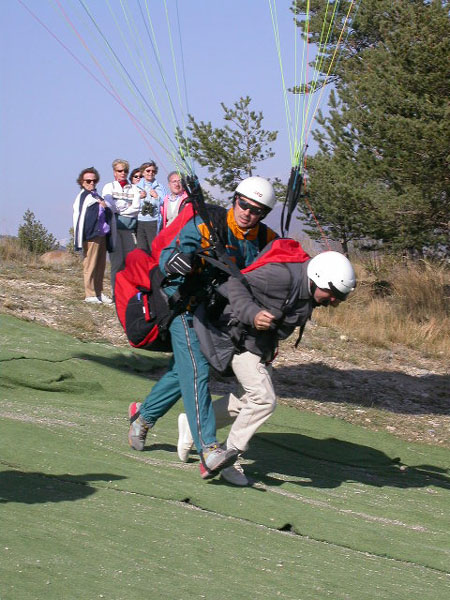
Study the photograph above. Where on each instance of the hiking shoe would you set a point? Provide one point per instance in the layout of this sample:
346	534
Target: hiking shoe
204	473
214	459
185	441
92	300
105	299
235	475
138	427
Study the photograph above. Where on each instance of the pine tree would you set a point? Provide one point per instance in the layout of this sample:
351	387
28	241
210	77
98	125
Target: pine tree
387	137
34	237
229	153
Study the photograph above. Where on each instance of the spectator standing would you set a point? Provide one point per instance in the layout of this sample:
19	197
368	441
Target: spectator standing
124	200
174	200
135	179
149	213
93	228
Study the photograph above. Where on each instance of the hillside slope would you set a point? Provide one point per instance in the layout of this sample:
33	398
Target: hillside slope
394	389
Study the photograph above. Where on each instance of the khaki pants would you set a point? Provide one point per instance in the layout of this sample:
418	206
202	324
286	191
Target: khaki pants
94	264
252	409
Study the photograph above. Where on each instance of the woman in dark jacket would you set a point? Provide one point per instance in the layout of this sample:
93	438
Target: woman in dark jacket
92	231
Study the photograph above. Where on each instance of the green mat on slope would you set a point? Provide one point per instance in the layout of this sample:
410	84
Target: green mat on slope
63	435
79	541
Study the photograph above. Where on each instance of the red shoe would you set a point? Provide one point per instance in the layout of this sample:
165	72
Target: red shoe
204	473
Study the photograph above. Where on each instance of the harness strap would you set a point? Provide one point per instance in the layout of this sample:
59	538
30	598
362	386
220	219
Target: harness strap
300	334
223	261
147	312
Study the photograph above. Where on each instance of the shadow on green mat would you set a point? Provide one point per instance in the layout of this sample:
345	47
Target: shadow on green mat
141	365
150	363
330	462
38	488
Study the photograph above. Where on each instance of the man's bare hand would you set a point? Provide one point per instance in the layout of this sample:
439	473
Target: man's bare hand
263	320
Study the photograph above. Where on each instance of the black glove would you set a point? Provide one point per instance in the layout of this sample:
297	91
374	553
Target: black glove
179	264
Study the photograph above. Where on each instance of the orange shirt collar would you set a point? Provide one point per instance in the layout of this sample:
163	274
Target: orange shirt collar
240	234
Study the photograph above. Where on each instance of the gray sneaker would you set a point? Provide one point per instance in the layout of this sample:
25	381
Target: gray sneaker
235	475
214	459
138	427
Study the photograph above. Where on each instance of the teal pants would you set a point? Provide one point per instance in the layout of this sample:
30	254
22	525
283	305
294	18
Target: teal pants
187	377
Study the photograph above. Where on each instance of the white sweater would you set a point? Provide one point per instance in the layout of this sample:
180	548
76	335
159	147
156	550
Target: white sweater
125	202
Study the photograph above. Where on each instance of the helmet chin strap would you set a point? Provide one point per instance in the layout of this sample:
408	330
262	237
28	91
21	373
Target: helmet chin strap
337	293
313	288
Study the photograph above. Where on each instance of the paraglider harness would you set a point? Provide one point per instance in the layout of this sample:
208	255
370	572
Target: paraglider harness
144	310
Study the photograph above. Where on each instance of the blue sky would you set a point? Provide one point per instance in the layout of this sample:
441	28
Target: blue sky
56	120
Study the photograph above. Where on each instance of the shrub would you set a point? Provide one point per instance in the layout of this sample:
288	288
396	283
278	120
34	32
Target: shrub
34	237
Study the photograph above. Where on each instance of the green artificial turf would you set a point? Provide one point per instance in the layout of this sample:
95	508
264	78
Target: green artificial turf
336	511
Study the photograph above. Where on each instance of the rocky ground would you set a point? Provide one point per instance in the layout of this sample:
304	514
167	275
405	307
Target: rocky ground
396	389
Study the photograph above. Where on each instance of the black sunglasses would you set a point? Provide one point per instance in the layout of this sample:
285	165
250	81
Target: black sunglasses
89	181
254	210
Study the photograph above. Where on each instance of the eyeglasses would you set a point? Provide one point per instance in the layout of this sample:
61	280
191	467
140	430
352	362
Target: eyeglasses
150	170
89	181
121	170
254	210
137	176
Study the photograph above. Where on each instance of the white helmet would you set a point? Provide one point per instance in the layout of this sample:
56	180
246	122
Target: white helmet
258	189
332	271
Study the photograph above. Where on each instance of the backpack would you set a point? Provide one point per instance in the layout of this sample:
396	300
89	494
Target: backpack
144	310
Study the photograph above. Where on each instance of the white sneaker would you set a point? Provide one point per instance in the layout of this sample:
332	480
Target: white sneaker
185	441
93	300
106	299
235	475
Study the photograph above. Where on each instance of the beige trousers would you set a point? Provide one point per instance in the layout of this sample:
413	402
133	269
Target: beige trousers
251	410
94	264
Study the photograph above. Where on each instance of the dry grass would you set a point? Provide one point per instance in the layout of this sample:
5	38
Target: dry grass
397	302
12	252
368	383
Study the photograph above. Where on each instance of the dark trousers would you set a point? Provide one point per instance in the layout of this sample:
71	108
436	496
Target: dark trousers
146	233
125	242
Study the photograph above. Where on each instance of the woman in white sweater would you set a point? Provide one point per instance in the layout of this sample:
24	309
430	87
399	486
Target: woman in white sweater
123	199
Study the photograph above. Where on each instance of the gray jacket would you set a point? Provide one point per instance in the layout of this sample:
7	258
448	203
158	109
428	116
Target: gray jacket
281	288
